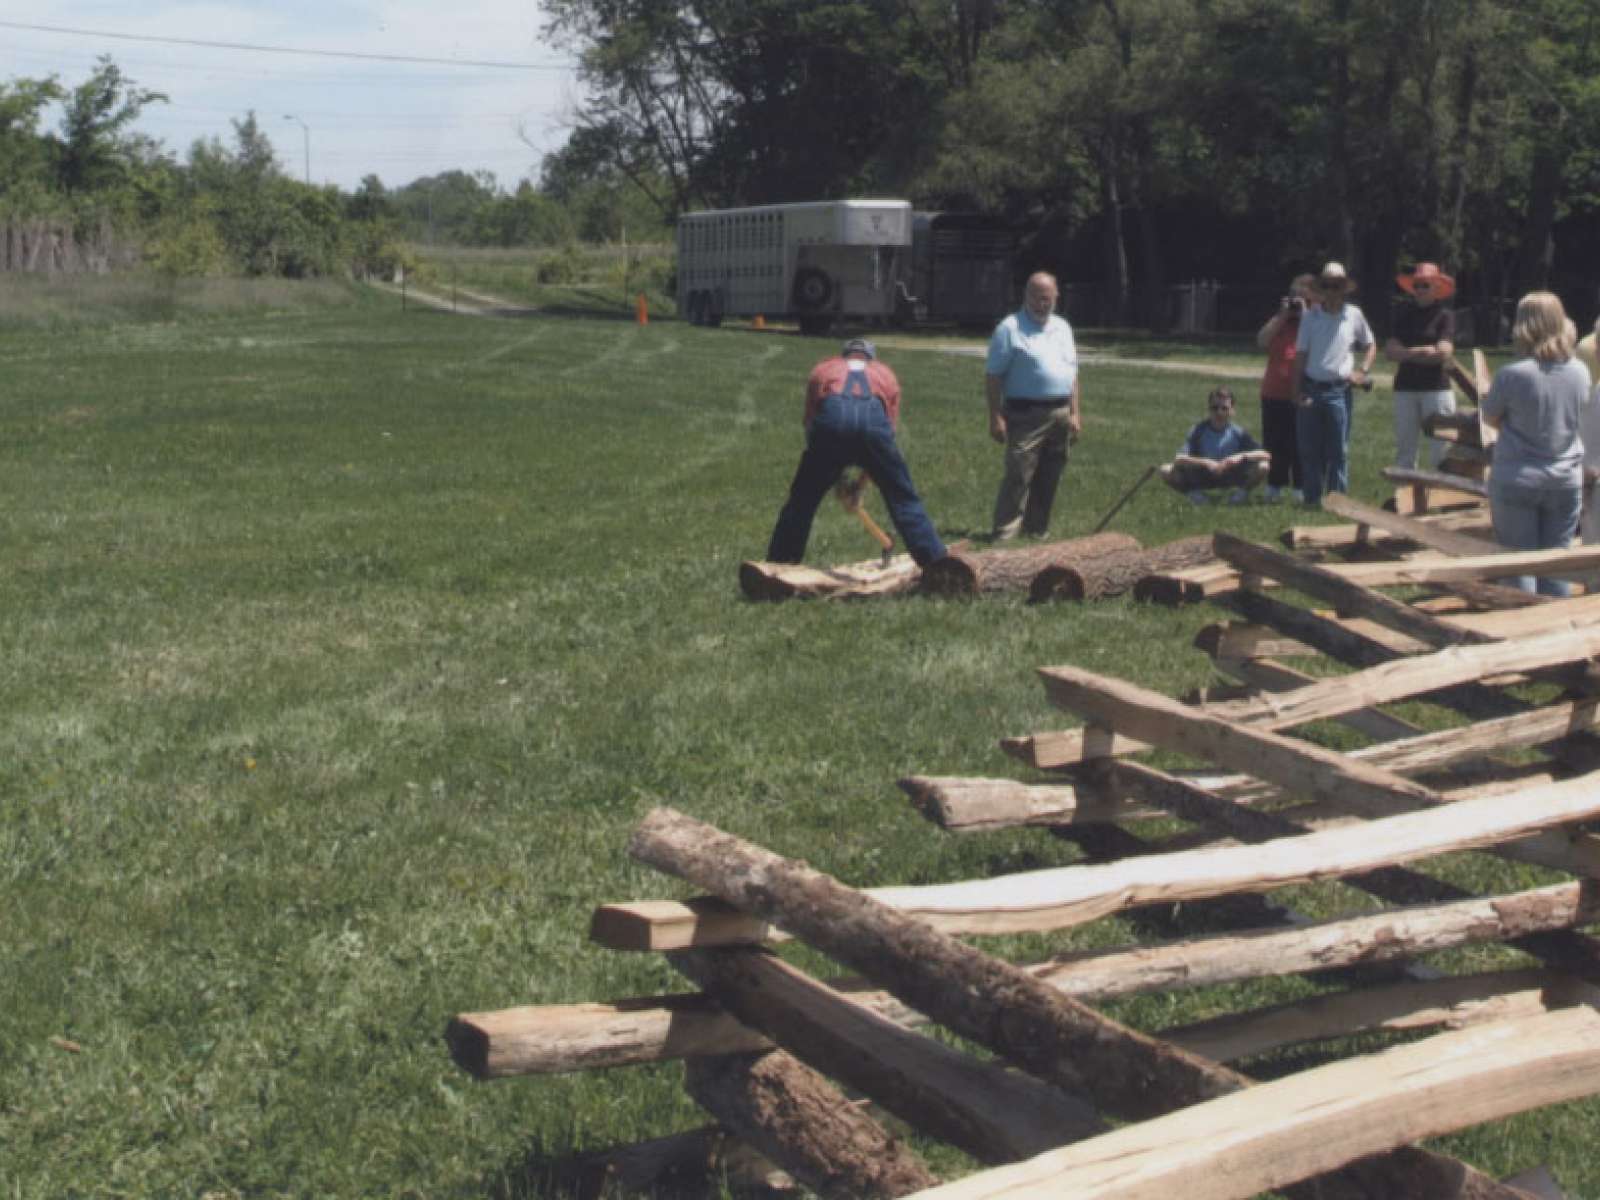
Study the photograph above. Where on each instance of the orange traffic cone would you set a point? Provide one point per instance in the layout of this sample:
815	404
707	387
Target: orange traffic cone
759	323
641	309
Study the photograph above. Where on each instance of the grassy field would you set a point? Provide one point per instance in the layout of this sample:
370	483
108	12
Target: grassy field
342	648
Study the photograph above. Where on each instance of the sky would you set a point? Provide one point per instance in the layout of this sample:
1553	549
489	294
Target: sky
496	99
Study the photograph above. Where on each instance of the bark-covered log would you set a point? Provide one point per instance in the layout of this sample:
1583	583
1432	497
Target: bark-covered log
1113	574
806	1125
1186	585
994	1114
969	573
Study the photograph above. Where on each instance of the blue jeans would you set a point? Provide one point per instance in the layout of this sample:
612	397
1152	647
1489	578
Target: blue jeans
1322	433
852	432
1535	519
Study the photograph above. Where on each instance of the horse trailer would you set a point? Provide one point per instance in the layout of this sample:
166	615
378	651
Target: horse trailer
871	261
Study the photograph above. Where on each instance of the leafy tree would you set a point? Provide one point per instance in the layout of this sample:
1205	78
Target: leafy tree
94	149
24	154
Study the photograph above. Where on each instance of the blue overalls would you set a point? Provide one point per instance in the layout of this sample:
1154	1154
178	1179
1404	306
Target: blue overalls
851	429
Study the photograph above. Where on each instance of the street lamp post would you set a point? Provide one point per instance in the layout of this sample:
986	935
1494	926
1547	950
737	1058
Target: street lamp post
306	129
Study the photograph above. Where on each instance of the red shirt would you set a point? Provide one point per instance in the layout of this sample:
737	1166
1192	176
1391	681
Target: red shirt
828	376
1278	382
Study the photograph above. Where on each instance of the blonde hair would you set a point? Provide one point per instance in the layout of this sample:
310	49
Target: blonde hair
1543	329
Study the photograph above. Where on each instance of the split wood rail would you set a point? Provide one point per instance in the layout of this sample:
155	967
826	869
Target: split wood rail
797	1070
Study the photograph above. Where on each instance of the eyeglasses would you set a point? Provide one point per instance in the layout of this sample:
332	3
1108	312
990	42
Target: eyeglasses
1421	286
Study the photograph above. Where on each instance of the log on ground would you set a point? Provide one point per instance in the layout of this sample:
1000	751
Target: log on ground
1114	574
969	573
784	581
803	1123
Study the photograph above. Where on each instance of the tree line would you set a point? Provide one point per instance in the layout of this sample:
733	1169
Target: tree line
1140	142
228	207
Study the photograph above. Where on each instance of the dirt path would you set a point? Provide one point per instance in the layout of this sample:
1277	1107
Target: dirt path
480	304
465	302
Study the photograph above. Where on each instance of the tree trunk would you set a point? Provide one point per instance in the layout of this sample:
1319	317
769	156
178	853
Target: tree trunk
964	573
804	1124
1115	573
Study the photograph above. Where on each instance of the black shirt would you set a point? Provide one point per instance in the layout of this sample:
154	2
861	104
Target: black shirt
1417	326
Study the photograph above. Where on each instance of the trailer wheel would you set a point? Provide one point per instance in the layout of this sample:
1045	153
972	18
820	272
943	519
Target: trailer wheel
711	315
812	289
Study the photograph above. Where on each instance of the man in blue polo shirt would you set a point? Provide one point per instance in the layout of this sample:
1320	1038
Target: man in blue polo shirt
1217	454
1035	407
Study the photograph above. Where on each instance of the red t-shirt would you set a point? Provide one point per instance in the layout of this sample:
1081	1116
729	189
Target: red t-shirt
828	376
1278	382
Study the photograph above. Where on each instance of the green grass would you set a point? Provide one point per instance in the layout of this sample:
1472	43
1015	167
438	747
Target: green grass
343	648
76	301
576	280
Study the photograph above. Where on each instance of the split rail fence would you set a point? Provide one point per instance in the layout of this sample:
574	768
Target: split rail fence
796	1071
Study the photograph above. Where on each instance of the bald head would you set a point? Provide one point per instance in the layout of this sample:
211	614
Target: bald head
1039	298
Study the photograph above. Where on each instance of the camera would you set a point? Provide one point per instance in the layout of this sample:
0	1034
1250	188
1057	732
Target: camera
1294	305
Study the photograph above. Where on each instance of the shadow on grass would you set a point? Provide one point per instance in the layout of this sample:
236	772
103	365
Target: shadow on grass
698	1165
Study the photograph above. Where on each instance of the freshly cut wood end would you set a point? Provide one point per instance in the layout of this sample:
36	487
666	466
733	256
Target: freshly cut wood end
673	925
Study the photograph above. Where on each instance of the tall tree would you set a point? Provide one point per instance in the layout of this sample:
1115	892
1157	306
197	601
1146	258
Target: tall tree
95	149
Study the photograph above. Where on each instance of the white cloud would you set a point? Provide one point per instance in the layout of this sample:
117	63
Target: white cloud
396	120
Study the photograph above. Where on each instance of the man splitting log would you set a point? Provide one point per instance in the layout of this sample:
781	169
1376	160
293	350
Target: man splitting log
851	411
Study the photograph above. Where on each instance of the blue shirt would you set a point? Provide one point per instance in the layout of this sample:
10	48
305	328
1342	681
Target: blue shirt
1327	342
1035	362
1206	441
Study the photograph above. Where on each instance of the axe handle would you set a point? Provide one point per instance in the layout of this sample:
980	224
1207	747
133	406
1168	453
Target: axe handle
853	500
872	527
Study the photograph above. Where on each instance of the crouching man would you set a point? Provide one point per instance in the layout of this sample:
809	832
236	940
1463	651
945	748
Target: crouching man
1217	454
852	408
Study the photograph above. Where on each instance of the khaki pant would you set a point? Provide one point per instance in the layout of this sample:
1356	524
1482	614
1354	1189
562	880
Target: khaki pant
1037	441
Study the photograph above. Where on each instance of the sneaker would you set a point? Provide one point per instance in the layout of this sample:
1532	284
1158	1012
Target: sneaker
1238	496
1199	497
1272	494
